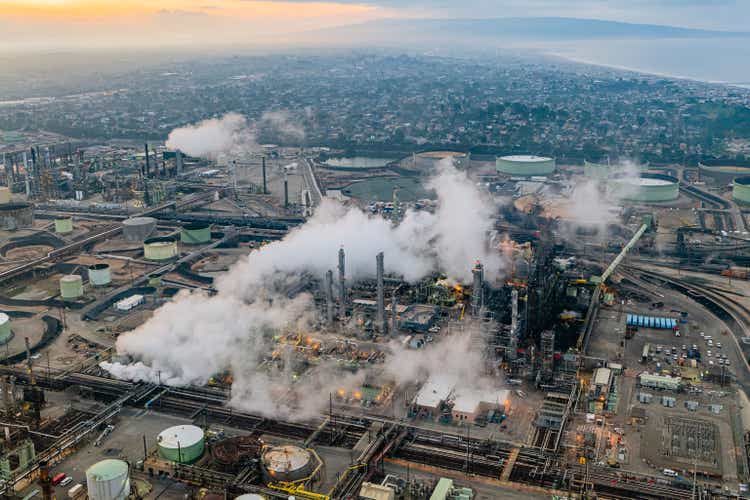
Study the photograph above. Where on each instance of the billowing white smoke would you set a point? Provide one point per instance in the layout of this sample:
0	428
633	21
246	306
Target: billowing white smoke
195	337
230	134
592	201
282	123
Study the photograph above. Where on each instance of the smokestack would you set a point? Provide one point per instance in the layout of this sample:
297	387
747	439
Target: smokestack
265	184
178	161
329	297
45	480
394	315
477	293
514	312
380	321
148	164
286	189
342	283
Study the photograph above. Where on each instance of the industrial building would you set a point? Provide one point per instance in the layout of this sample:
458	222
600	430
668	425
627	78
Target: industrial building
660	381
525	165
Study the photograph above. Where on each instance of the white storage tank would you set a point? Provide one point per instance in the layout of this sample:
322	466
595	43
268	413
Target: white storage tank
108	480
250	496
100	275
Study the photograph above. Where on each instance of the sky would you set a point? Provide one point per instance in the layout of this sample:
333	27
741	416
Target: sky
86	23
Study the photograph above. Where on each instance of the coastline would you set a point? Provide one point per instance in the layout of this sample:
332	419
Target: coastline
581	60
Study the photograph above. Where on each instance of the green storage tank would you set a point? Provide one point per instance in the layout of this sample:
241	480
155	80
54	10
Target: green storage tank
71	287
182	443
741	190
647	188
5	333
195	234
525	165
159	249
64	226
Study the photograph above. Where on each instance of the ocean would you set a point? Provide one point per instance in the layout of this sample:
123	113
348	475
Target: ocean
725	60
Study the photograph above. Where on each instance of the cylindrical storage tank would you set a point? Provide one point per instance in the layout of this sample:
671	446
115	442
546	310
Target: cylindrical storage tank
159	249
525	165
5	333
4	195
181	443
71	286
16	216
138	228
195	234
250	496
741	190
108	480
64	226
287	463
648	188
154	280
100	275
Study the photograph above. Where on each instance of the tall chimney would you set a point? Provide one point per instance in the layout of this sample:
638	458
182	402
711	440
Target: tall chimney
514	312
286	189
265	183
178	161
342	283
477	293
380	321
329	297
148	164
394	314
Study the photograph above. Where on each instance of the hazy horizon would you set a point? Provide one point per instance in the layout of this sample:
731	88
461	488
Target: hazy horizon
49	25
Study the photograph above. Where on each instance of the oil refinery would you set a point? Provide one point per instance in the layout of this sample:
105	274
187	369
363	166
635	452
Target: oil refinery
446	325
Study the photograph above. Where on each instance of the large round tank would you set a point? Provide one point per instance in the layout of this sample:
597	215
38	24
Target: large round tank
64	226
181	443
525	165
71	286
16	216
5	196
108	480
647	188
741	190
287	463
159	249
100	275
138	228
5	333
195	234
250	496
724	171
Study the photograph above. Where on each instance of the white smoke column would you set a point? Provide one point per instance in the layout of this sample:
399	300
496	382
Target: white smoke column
195	337
230	134
282	123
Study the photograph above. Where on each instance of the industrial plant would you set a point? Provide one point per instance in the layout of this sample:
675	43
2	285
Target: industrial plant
263	322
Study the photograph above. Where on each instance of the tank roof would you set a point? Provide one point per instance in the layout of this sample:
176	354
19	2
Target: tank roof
139	220
286	458
180	436
743	181
4	318
71	278
97	267
108	469
526	158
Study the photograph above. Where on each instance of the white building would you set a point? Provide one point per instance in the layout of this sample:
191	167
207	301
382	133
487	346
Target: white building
468	404
432	395
129	303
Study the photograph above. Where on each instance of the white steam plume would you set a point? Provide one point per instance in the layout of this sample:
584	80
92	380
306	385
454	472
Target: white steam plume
230	134
194	337
282	123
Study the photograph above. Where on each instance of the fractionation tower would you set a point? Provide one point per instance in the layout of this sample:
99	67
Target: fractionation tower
329	297
381	294
394	314
342	283
477	295
510	352
265	182
548	354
